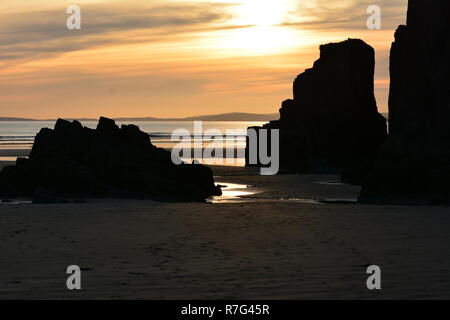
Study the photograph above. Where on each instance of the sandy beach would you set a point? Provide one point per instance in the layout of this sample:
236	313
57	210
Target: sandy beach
275	244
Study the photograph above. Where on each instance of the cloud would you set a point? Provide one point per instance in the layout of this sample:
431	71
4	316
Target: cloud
41	33
38	34
166	58
343	15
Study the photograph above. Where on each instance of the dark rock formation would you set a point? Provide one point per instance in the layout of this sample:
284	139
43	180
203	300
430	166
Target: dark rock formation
414	164
332	125
75	162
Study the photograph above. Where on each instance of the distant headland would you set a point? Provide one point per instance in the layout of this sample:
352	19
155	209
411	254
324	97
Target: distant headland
232	116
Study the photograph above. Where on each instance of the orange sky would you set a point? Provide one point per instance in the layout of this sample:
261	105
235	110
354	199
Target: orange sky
173	58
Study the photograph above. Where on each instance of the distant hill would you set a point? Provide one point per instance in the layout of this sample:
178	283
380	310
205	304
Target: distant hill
234	116
15	119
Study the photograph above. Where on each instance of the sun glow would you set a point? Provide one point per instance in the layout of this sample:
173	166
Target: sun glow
262	12
258	40
262	31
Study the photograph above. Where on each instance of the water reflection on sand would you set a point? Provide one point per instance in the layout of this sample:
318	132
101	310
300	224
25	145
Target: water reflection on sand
231	192
240	193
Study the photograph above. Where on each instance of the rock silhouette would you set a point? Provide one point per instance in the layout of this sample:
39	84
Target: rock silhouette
413	166
332	125
74	162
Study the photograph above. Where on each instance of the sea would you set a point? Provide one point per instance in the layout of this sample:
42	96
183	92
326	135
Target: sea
19	136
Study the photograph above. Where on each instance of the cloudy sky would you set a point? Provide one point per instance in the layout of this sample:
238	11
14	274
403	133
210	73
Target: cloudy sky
173	58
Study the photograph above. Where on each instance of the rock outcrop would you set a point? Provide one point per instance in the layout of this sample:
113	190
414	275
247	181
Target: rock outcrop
414	164
75	162
332	125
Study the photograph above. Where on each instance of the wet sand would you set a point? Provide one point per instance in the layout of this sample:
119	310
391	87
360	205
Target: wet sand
14	152
274	244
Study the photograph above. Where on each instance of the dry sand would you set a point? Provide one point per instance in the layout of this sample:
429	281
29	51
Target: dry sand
260	248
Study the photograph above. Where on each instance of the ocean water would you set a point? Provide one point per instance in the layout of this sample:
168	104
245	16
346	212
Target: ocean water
20	135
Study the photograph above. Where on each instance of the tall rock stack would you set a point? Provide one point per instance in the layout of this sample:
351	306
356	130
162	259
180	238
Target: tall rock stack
332	125
414	164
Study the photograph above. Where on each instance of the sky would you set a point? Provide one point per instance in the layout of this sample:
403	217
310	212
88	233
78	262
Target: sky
174	58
